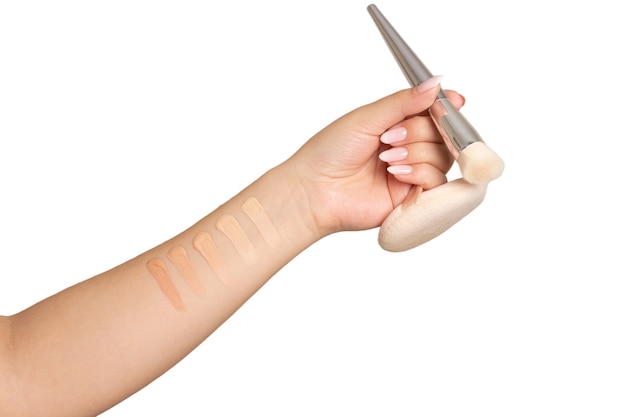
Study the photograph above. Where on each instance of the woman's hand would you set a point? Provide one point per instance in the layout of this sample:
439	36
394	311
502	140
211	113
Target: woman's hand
357	169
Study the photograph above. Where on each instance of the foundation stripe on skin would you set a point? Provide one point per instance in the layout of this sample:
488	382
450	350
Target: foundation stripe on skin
178	256
158	270
253	209
203	243
230	227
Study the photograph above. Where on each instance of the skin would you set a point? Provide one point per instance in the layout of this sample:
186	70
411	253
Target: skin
90	346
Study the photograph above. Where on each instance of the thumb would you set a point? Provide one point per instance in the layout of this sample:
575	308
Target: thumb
380	115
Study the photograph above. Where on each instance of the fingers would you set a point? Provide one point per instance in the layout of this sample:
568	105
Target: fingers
455	98
424	175
416	152
435	154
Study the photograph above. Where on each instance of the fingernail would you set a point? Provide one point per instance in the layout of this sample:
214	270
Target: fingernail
394	154
399	169
393	135
429	84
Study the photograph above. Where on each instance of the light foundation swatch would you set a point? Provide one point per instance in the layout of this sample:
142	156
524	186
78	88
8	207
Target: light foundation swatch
228	225
205	246
253	209
203	243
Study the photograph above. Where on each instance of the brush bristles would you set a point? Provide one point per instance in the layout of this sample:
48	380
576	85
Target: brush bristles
479	164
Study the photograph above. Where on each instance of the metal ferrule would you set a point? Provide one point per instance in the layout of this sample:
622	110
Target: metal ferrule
456	131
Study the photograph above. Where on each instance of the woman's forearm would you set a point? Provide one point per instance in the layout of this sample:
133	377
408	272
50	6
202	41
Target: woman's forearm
116	332
90	346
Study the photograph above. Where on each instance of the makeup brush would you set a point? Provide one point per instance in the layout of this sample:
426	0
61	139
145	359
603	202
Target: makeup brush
425	215
477	162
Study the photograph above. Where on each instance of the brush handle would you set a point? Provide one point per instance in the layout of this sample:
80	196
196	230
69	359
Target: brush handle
455	129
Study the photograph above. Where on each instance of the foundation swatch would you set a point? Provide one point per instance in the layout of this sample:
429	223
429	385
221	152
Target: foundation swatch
158	270
230	227
178	256
203	243
253	209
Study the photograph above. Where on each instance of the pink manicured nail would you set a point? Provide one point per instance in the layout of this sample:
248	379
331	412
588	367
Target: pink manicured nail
399	169
429	84
393	135
394	154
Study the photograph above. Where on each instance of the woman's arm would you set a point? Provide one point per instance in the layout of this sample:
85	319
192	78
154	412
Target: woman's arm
86	348
81	351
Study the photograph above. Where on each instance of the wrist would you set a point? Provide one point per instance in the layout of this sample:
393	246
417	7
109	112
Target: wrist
284	198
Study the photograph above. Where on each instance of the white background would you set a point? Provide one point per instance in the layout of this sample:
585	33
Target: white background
518	310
